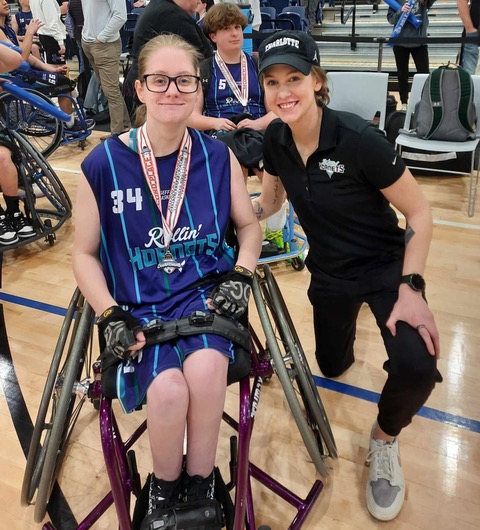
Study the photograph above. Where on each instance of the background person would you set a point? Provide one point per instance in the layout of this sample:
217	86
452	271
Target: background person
233	98
165	16
120	255
402	52
20	21
341	175
102	46
470	14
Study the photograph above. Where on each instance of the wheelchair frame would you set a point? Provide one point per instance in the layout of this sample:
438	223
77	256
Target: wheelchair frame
44	131
69	383
35	170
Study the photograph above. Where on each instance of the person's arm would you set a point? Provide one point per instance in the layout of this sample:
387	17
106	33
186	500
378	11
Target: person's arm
248	230
9	59
87	268
30	32
464	12
272	197
198	121
116	21
411	307
14	24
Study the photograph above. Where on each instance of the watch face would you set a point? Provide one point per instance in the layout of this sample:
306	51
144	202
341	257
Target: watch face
418	283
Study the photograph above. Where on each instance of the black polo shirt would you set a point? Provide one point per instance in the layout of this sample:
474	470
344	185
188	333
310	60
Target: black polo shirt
350	226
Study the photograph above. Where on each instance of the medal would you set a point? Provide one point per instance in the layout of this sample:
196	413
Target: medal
169	264
177	190
240	94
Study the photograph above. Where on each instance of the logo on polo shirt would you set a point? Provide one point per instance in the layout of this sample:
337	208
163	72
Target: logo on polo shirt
330	167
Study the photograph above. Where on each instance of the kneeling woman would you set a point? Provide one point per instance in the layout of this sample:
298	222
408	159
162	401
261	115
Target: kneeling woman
342	176
153	209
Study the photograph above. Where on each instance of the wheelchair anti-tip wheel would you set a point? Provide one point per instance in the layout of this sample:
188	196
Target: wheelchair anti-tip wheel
42	129
63	397
292	368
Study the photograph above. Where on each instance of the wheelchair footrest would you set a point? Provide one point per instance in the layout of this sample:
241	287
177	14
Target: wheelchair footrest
199	515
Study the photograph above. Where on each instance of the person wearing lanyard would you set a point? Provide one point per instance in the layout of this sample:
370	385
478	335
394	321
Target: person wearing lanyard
233	101
154	205
342	176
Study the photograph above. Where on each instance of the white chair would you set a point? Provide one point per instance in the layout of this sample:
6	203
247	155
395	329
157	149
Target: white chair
363	93
449	149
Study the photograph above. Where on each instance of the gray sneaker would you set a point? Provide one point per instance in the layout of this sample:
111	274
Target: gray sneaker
386	483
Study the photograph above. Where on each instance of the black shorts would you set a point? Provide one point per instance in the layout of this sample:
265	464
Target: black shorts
51	49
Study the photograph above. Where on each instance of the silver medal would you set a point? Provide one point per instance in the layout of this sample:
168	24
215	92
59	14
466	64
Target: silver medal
169	263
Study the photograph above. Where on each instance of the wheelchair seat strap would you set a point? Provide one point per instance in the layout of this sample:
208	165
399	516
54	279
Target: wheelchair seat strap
158	331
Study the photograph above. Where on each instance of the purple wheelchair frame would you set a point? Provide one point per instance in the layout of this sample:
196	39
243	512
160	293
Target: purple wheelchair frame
124	480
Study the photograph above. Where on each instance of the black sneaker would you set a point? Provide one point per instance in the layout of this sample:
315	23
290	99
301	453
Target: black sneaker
21	225
8	236
199	488
162	496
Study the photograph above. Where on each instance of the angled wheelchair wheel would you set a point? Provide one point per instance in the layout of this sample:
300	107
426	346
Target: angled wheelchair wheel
39	173
292	370
63	397
42	129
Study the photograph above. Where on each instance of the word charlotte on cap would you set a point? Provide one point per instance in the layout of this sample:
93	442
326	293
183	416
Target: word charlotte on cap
284	41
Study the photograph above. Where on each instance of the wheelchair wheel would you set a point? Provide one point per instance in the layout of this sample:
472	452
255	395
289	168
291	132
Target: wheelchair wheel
63	397
42	129
38	172
298	365
291	369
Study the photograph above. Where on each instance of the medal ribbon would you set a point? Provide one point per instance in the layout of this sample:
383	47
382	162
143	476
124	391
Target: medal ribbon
179	180
242	93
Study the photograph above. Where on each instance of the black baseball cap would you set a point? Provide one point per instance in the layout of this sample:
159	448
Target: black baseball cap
293	48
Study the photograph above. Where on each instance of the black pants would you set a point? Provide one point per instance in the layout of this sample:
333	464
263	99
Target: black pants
51	48
411	369
402	56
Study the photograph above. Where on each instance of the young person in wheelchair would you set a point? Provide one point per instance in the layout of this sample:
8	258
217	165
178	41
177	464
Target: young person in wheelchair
49	79
232	107
152	213
13	224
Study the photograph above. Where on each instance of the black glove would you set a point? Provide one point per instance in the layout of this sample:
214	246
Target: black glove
230	296
118	328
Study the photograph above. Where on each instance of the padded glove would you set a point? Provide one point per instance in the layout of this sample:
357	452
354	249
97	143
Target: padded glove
118	327
230	296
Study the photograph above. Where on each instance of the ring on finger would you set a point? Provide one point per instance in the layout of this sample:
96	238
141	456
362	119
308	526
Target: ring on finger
420	326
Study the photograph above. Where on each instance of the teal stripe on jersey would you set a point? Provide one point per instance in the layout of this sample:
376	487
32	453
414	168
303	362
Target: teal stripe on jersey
109	263
228	255
122	220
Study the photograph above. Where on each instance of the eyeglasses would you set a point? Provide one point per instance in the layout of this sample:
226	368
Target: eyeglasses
186	84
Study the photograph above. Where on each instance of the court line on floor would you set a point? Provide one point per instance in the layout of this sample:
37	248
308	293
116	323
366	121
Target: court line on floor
342	388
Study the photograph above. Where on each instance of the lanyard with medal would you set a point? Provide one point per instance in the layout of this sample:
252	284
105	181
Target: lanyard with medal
240	93
177	190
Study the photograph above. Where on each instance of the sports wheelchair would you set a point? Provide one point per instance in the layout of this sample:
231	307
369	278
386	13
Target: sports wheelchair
47	204
44	131
73	379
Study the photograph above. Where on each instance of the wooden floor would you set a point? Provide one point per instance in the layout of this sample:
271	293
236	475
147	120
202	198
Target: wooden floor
440	450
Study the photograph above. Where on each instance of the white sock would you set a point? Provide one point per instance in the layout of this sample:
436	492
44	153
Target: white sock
277	220
71	122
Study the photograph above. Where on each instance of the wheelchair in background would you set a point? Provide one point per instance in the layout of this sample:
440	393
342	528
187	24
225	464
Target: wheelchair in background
45	132
74	378
46	201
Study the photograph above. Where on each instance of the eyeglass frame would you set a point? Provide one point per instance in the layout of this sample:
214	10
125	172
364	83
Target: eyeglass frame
174	80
